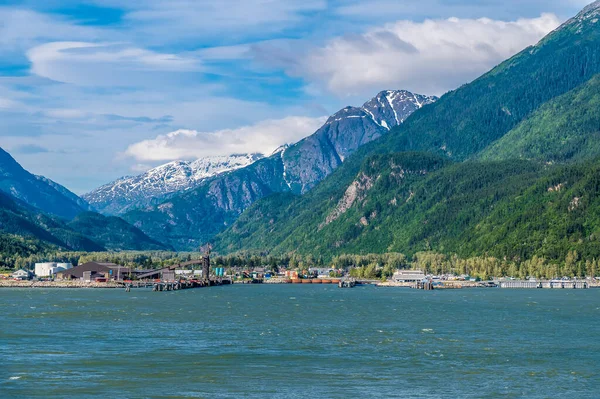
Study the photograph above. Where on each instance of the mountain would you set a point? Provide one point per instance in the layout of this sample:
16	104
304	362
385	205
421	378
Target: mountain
416	202
564	129
89	231
114	233
21	223
39	214
36	191
191	218
132	192
521	145
315	157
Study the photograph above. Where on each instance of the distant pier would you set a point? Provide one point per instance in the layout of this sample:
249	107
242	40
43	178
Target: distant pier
552	284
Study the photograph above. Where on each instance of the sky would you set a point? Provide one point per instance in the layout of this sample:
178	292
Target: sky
94	90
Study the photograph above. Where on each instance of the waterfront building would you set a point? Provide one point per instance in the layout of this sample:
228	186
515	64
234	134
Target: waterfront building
409	276
93	271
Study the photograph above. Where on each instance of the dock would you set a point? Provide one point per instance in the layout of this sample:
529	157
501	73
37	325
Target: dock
548	284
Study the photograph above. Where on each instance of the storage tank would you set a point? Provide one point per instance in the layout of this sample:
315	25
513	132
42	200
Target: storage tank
44	269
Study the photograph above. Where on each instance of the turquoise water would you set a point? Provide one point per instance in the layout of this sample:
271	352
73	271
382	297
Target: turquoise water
299	341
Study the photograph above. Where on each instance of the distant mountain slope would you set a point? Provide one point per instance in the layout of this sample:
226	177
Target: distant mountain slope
40	193
314	158
89	231
27	220
189	219
412	203
564	129
114	233
132	192
64	191
521	98
21	220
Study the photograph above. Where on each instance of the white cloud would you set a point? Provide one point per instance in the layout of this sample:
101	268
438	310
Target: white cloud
100	64
429	57
263	137
21	29
180	20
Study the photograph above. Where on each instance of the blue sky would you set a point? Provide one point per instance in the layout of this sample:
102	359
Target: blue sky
94	90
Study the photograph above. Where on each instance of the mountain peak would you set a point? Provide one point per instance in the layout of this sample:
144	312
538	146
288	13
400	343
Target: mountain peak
590	13
390	108
280	149
591	7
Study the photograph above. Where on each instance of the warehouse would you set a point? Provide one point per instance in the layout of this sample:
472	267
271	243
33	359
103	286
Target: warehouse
93	271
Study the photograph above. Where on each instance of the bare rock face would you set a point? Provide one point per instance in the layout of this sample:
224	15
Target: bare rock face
312	159
356	192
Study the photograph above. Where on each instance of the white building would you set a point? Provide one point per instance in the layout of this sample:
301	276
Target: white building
408	276
50	268
21	275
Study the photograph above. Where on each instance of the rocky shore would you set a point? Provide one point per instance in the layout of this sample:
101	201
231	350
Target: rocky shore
56	284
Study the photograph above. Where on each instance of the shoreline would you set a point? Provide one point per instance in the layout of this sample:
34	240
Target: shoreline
58	284
114	284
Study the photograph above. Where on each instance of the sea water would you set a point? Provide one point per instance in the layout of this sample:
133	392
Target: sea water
299	341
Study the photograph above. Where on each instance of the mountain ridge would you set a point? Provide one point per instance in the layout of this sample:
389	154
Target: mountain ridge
130	192
38	192
46	215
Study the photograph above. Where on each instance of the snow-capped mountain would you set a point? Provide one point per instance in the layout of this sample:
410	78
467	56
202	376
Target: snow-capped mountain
391	107
196	216
312	159
177	176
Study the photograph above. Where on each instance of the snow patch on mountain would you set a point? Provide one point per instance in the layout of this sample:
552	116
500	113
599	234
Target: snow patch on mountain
176	176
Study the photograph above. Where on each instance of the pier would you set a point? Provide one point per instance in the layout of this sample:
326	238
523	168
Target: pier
551	284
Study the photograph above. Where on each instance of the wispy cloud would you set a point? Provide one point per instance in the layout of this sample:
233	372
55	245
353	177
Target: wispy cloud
98	64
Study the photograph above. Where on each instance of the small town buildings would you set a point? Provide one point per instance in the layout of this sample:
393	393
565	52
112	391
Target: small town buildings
408	276
93	271
49	269
292	274
321	273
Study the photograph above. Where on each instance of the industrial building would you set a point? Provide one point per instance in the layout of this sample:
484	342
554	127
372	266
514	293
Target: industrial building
49	269
93	271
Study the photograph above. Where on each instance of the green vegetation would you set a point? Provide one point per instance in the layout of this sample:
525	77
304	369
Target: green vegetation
26	232
114	233
510	210
565	129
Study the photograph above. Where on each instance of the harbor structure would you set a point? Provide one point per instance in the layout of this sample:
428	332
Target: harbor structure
408	276
554	284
